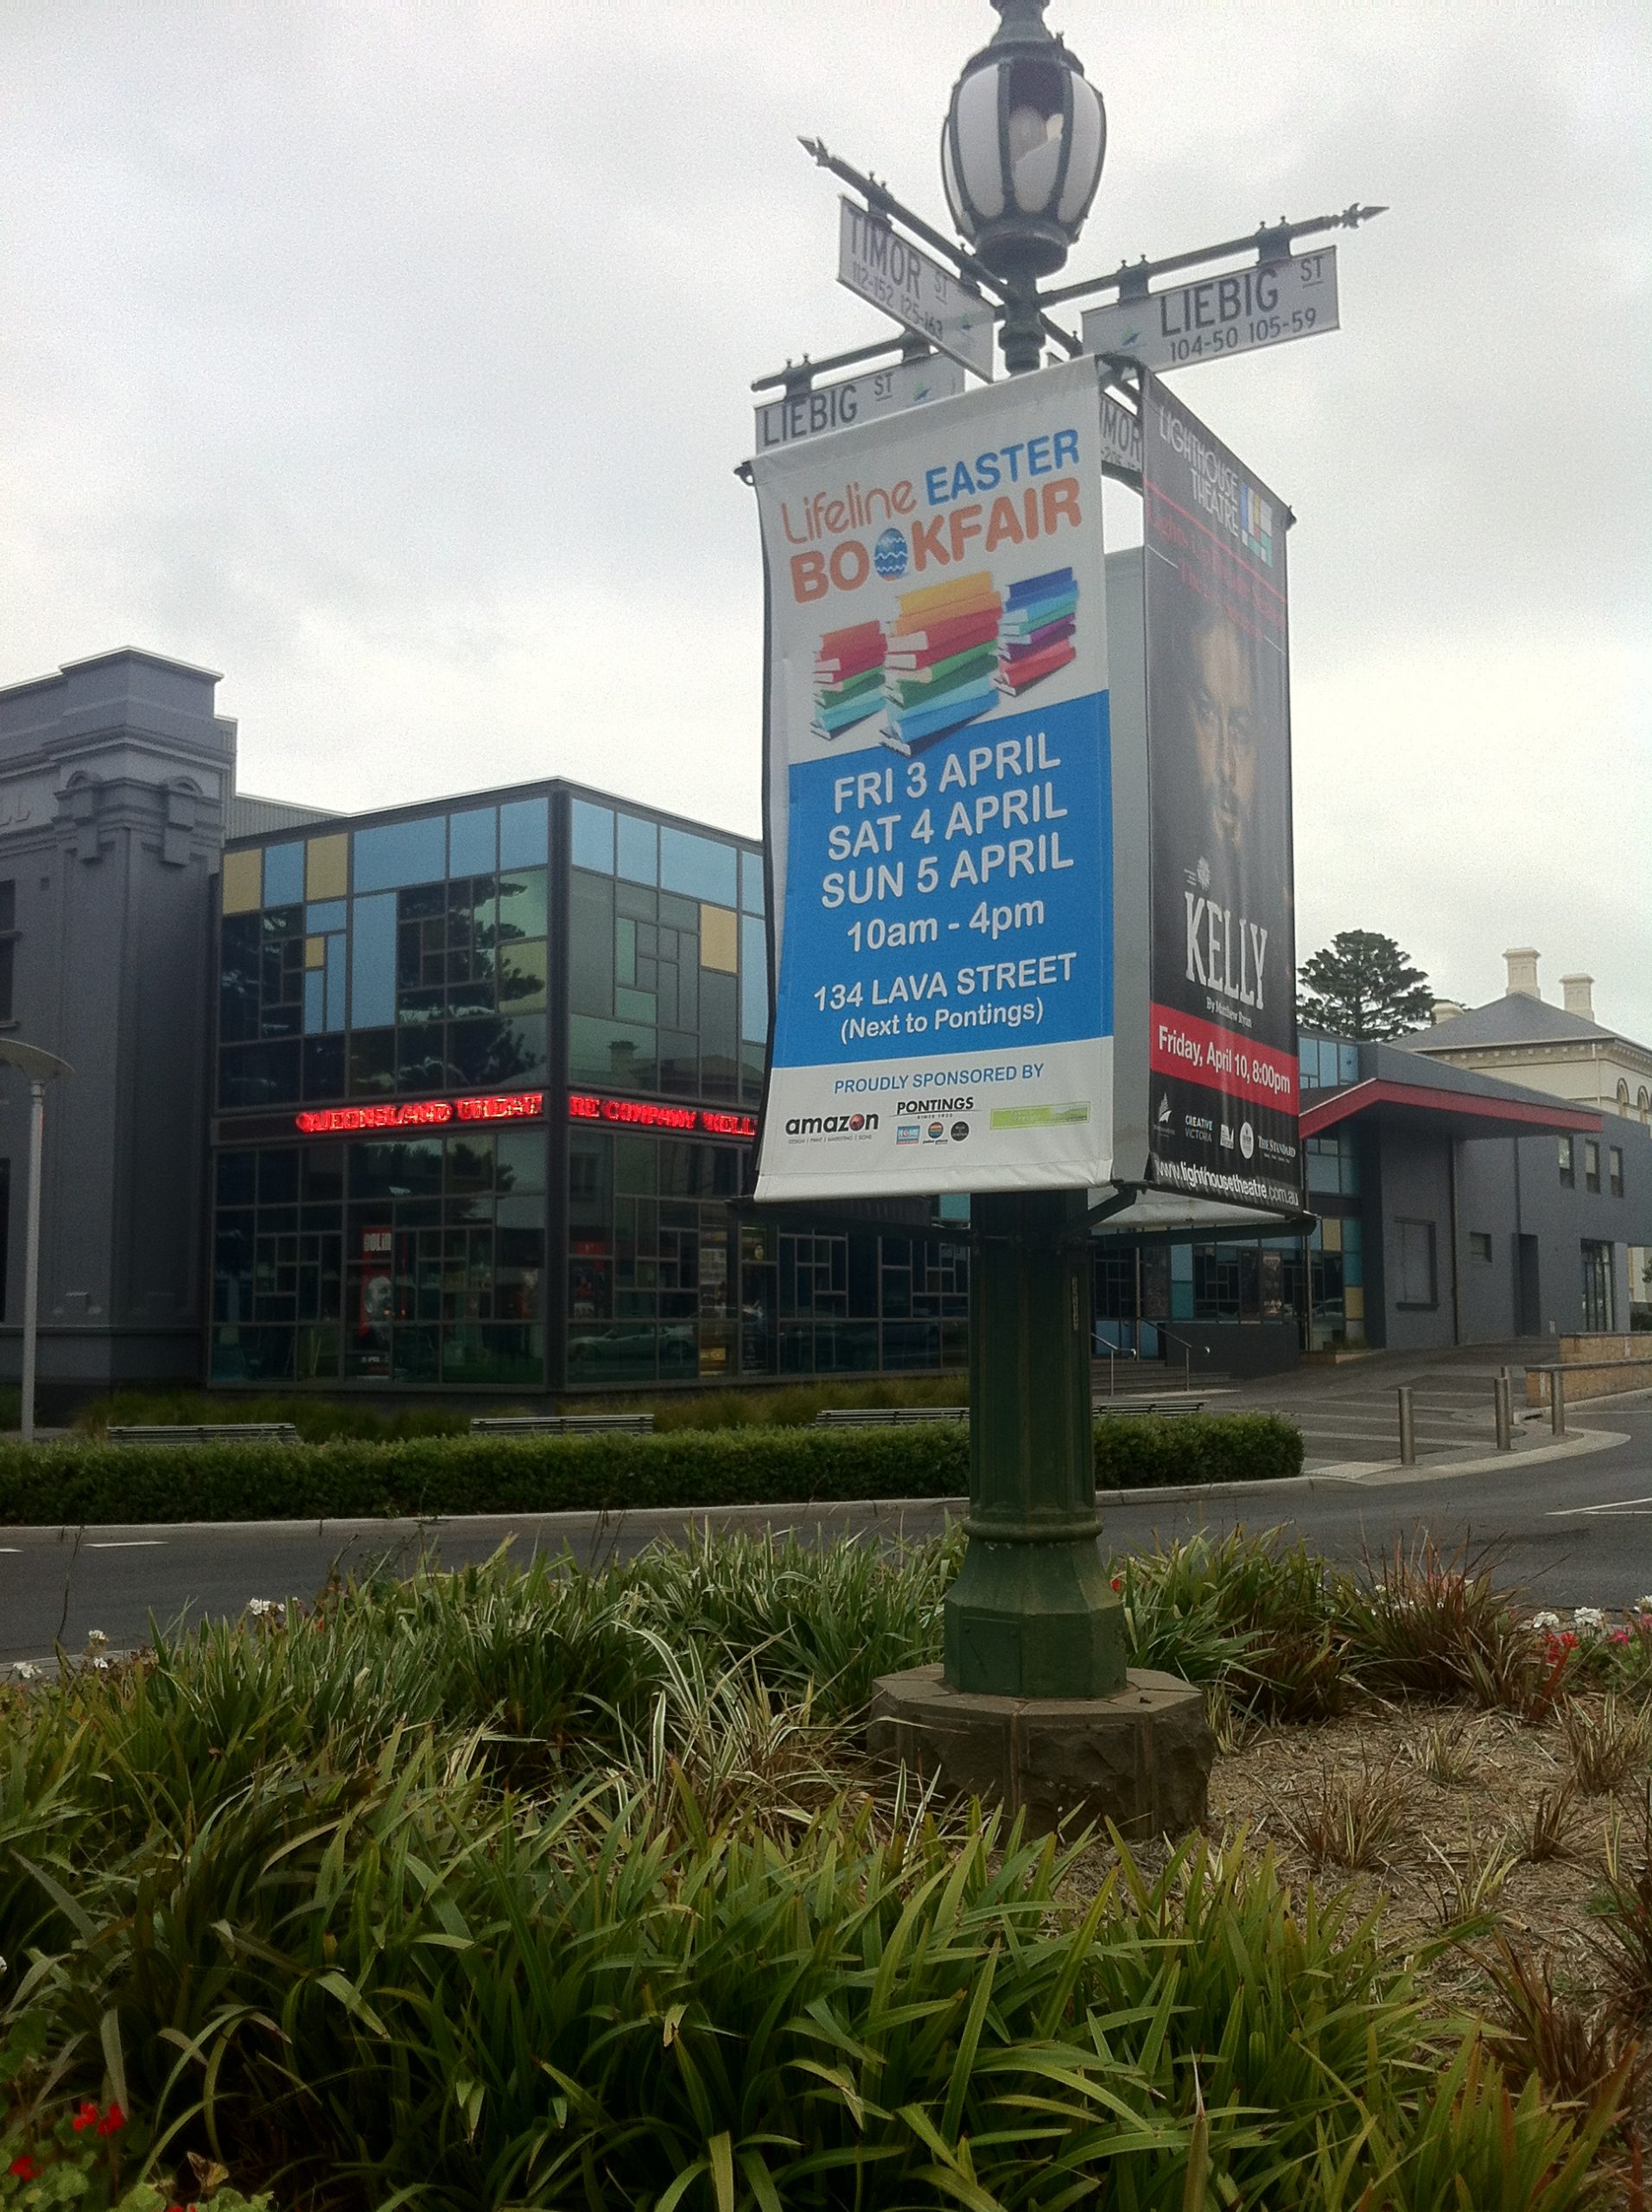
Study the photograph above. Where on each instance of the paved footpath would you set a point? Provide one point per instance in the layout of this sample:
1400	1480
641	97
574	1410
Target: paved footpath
1572	1525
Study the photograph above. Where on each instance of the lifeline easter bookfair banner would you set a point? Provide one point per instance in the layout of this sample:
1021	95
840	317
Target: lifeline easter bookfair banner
1222	1051
938	800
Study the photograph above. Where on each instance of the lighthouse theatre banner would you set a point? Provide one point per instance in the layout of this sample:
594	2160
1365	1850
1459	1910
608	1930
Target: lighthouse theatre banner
1223	1048
938	800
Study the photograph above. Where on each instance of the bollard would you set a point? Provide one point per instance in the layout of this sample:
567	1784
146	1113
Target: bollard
1557	1400
1407	1427
1504	1407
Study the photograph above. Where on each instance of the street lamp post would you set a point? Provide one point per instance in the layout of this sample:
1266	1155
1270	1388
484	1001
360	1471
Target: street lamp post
40	1067
1031	1613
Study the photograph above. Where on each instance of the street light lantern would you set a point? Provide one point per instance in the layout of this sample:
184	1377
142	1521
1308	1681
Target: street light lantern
1022	148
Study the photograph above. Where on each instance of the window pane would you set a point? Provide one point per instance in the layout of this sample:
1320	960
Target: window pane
243	881
372	962
750	883
472	837
524	833
324	914
697	866
610	1054
521	1154
284	875
638	860
327	866
591	836
753	981
591	943
522	977
522	903
402	852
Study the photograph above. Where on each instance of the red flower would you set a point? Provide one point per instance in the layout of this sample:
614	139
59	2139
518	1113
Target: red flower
1118	1582
113	2121
24	2168
87	2117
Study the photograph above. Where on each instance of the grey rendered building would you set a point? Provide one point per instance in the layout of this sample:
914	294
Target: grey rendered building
115	774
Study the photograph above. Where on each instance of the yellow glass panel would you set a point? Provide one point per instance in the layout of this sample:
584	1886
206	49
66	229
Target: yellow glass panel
315	952
1331	1233
243	881
1353	1304
327	868
719	939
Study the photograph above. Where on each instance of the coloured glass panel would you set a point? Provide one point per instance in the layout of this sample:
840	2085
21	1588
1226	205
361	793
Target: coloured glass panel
327	866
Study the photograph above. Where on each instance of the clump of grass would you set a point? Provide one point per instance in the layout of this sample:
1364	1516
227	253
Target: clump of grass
1547	1833
1580	2053
1622	1906
1349	1819
1474	1881
1446	1753
1420	1625
1607	1743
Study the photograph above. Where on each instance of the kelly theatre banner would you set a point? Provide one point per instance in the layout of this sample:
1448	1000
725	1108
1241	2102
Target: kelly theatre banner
938	800
1222	1053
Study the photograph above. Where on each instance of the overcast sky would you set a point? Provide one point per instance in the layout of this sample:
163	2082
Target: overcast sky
394	360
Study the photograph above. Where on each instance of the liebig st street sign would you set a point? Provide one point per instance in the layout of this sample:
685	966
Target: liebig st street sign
1267	304
885	269
856	399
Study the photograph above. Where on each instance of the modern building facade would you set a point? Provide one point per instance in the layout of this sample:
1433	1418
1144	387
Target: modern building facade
486	1086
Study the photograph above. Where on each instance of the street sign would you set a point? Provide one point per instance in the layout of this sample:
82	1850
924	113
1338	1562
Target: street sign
1265	305
1121	440
886	268
856	399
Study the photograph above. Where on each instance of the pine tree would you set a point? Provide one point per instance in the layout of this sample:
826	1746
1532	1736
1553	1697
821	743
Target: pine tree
1362	985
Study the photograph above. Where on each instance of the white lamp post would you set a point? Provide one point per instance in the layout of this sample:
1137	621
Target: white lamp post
40	1067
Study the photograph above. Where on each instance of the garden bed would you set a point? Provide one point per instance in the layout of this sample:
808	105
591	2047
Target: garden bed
546	1888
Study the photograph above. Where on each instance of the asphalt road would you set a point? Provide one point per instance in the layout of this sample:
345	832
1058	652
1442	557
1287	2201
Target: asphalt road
1572	1531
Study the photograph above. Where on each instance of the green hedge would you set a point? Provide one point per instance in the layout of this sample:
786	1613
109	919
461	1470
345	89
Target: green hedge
79	1481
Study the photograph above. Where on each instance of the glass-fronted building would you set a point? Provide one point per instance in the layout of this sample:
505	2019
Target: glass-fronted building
486	1084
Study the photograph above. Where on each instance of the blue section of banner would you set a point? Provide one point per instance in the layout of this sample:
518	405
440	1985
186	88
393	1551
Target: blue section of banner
962	896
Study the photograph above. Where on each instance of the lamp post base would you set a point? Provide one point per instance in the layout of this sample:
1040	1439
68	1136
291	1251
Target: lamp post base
1034	1620
1140	1758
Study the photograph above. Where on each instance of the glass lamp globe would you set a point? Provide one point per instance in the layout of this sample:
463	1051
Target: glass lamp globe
1022	147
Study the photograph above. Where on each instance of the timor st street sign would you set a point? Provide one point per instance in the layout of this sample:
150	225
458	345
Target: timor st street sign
886	268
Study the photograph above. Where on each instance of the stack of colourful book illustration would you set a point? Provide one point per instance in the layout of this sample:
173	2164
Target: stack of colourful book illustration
849	678
1036	636
940	669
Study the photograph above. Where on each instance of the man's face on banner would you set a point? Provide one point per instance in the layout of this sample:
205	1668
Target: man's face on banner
1221	704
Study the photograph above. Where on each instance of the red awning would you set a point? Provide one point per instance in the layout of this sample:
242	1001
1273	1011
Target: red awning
1410	1101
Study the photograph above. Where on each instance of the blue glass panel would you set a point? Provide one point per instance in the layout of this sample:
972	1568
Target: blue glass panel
327	914
1353	1236
473	841
1181	1297
754	980
1347	1058
639	850
750	883
954	1204
592	837
315	1008
699	867
372	962
1181	1263
284	875
402	852
1353	1266
524	833
1322	1173
335	972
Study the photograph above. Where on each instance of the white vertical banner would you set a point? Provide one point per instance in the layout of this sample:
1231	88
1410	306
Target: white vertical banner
938	800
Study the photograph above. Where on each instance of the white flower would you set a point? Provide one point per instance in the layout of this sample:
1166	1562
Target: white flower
96	1640
100	1665
26	1671
1643	1605
1588	1617
260	1607
1546	1620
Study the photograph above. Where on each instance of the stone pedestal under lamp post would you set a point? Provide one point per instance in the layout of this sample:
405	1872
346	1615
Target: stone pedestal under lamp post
1034	1706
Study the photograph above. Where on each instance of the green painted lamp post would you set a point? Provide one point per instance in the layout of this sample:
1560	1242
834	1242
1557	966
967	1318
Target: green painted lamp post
1031	1614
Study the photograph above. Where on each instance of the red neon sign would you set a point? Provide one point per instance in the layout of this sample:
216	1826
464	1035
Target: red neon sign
638	1113
422	1113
